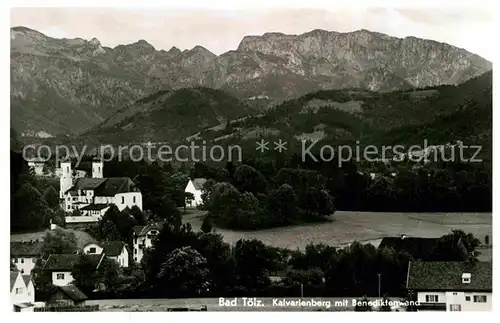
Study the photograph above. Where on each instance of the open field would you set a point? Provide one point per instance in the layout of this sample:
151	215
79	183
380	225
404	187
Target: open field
366	227
212	304
81	237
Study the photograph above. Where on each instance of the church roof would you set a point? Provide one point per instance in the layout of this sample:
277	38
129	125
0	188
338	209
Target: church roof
104	186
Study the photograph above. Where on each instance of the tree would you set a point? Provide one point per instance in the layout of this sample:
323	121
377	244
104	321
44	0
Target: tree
89	276
106	227
282	204
206	226
184	272
59	218
138	215
363	305
59	241
29	209
124	223
13	266
247	179
51	196
254	261
188	197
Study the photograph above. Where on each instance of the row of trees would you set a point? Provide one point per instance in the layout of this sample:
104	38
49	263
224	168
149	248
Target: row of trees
185	263
247	200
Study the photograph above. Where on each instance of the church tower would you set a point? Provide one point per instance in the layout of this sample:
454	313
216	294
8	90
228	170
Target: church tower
97	169
66	180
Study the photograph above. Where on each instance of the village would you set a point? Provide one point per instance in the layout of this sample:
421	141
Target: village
87	196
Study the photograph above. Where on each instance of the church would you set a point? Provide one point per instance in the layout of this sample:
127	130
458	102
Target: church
93	196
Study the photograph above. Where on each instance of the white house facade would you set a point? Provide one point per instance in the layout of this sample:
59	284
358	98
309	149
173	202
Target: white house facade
142	238
451	286
22	292
195	187
116	250
60	266
93	196
25	255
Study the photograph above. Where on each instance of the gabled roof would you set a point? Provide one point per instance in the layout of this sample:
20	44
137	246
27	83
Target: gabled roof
13	278
73	292
419	248
25	249
112	248
104	186
447	275
141	230
87	183
116	185
198	183
27	279
67	262
94	207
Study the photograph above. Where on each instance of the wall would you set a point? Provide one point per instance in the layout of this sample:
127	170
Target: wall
197	194
24	264
123	258
82	219
19	292
128	199
470	305
98	249
68	278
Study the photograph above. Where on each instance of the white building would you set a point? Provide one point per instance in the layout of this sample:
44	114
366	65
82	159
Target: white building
93	196
451	286
142	238
61	267
116	250
22	292
25	255
195	187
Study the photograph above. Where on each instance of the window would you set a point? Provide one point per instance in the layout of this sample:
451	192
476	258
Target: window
135	240
123	199
22	271
431	298
135	251
92	250
479	298
455	307
15	260
60	276
19	290
22	260
455	293
135	258
133	199
467	298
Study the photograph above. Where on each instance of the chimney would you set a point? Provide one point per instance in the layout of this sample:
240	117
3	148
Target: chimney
466	278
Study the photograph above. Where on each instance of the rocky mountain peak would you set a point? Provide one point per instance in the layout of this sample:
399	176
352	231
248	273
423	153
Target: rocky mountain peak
95	42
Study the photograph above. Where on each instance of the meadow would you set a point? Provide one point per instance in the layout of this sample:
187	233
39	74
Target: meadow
366	227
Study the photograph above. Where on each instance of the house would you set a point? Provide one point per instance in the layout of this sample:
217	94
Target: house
195	187
92	196
419	248
116	250
37	165
451	285
68	295
61	267
25	255
142	238
22	292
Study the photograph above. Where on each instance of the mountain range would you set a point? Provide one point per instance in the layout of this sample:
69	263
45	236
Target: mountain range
76	86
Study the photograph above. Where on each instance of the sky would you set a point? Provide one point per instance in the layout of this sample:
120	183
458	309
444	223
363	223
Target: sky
222	30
